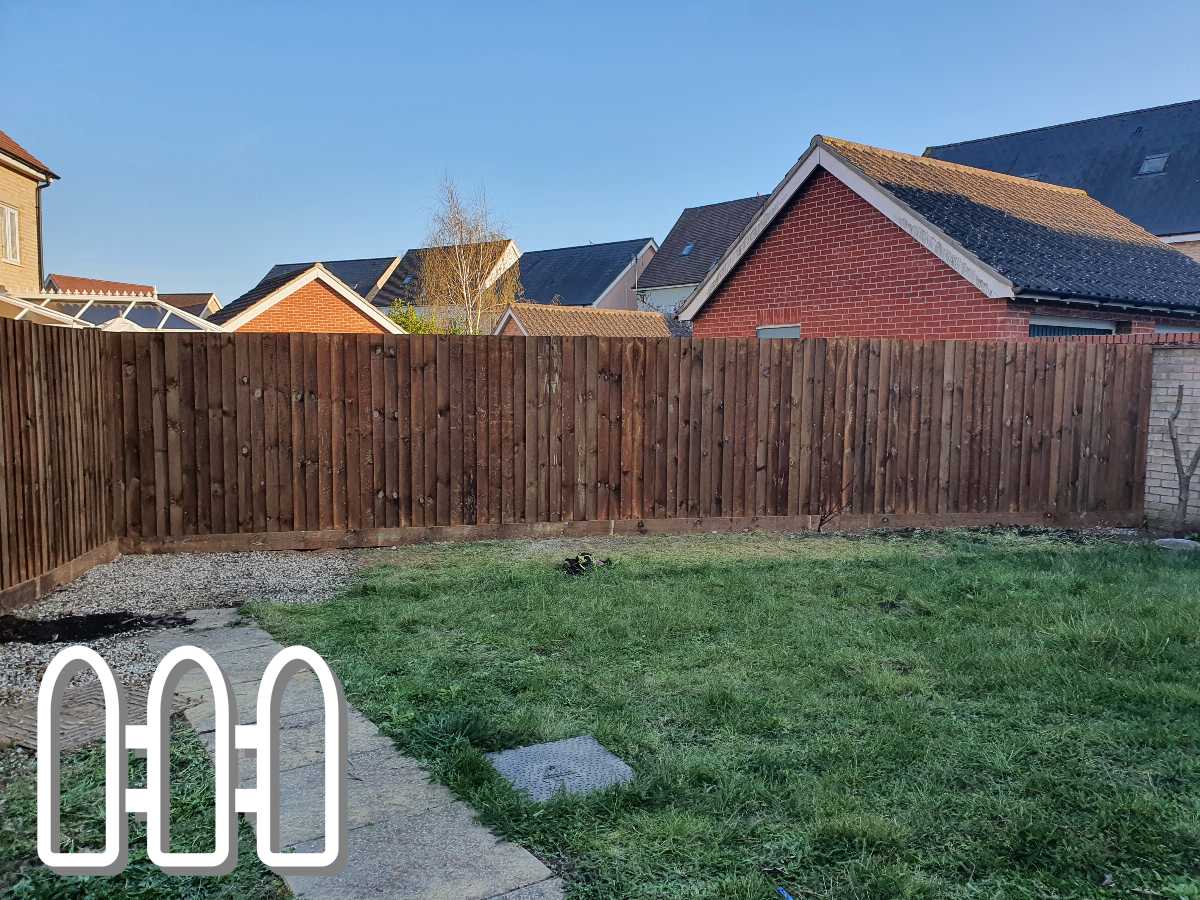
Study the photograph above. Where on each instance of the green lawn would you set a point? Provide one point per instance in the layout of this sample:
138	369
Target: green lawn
82	824
962	715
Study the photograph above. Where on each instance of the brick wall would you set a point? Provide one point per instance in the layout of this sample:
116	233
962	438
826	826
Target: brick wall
1172	367
837	267
313	307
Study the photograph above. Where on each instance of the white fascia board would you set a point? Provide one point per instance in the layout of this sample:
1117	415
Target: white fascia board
504	319
24	169
307	277
201	324
986	279
383	279
1181	238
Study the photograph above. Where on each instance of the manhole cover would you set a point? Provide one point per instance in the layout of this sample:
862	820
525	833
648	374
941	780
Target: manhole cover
577	765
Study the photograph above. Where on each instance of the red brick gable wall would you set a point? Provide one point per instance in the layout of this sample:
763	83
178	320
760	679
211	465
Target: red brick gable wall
837	267
313	307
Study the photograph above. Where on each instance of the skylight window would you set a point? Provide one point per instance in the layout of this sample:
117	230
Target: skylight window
687	249
1154	164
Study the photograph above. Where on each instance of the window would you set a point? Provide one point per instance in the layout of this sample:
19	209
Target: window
778	332
10	235
1061	326
1154	164
687	249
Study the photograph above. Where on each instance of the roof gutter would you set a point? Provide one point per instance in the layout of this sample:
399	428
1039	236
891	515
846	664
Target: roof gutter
1067	300
42	185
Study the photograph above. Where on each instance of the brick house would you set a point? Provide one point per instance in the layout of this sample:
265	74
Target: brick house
309	299
862	242
22	177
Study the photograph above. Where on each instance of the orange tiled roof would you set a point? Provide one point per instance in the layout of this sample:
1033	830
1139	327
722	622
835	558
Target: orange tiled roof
15	150
75	284
543	320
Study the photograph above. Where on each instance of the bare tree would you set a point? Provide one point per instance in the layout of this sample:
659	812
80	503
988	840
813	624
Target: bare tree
1185	471
467	270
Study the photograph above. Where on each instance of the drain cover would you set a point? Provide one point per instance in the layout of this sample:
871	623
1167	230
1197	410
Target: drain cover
577	765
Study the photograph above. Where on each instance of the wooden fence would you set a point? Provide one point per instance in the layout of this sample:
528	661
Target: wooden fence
317	440
55	511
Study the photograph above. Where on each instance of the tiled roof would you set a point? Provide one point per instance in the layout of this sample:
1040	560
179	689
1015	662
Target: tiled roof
1103	157
193	303
405	281
709	230
359	274
16	151
77	285
577	276
1043	238
256	293
543	320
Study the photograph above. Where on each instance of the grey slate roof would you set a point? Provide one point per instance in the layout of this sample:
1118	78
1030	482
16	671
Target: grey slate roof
405	281
1102	156
359	274
576	275
256	293
1045	239
710	229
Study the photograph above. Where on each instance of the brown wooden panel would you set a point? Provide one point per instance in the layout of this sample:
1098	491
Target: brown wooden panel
516	451
340	452
591	365
567	392
533	440
378	431
443	376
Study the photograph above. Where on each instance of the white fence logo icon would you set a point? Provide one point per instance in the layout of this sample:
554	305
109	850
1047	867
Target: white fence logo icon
261	738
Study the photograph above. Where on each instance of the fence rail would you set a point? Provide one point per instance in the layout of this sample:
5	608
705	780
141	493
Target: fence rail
261	434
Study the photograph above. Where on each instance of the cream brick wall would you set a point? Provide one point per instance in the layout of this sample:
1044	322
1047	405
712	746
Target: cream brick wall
1172	367
20	192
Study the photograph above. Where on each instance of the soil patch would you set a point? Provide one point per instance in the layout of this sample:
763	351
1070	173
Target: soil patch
74	629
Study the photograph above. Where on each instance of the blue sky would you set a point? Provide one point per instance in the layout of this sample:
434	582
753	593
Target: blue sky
198	144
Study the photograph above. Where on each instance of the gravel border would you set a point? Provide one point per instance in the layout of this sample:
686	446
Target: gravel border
162	584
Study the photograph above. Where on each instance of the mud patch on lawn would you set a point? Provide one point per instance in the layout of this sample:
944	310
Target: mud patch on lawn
76	629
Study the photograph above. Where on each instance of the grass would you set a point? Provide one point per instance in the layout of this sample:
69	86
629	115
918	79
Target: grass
966	715
82	779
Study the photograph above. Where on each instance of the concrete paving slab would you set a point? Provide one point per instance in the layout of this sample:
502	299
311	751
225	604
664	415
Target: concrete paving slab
302	742
301	695
379	785
440	855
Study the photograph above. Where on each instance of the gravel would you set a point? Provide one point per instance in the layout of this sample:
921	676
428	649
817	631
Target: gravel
165	584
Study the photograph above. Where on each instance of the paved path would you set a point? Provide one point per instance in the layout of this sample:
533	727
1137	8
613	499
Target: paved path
407	837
